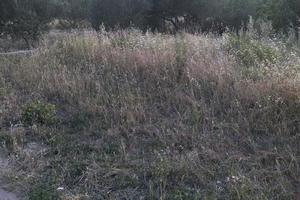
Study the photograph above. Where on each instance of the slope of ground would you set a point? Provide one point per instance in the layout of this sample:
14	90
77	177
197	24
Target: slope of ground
126	115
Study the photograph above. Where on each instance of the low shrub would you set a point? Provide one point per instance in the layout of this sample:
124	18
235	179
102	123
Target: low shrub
251	52
38	113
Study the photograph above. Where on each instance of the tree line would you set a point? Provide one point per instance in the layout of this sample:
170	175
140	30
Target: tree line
27	18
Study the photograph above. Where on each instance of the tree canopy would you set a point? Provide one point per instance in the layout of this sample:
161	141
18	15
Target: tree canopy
29	16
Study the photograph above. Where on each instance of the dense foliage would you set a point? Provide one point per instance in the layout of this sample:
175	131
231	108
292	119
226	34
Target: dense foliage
28	17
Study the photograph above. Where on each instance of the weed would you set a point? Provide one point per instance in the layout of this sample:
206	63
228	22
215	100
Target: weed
38	113
38	193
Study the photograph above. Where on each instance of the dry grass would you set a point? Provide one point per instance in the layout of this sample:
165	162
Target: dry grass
150	116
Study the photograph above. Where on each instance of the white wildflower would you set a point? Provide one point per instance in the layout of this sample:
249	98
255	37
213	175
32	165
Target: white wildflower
60	188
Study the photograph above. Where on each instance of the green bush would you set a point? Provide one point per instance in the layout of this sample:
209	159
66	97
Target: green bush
120	42
251	52
38	113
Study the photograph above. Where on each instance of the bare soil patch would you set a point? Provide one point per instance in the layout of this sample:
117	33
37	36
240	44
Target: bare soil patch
5	195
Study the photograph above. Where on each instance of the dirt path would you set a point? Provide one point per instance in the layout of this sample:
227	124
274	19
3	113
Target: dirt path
5	195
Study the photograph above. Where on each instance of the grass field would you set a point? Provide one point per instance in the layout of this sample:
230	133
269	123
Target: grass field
126	115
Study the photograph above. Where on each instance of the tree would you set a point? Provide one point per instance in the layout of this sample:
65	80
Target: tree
74	11
122	13
236	13
178	13
7	11
284	15
294	5
26	18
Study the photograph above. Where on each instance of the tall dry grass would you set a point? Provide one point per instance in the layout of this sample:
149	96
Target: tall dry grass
153	116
